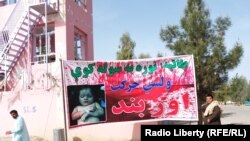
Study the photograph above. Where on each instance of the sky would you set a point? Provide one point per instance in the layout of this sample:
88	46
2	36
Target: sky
143	19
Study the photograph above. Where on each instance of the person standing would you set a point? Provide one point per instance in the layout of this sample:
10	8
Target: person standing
20	132
211	111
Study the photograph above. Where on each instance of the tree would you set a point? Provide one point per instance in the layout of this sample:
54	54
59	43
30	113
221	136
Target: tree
198	36
126	48
223	93
142	56
248	92
159	55
238	89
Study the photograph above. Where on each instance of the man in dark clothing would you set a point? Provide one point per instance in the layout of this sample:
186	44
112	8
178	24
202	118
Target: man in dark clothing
211	111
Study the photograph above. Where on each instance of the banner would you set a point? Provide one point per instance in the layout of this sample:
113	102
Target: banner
132	90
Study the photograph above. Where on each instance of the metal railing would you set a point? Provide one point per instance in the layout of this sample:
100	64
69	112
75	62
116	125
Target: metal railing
11	24
41	59
17	13
11	29
4	37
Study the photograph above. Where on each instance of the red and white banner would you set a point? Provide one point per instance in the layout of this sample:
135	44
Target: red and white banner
132	90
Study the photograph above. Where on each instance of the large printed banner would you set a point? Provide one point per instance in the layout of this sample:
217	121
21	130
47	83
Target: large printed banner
133	90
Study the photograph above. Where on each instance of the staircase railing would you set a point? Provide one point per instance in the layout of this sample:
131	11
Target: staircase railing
16	30
16	14
11	24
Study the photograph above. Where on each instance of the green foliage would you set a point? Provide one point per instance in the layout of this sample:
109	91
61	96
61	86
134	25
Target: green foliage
159	55
236	90
197	35
126	48
222	94
247	98
142	56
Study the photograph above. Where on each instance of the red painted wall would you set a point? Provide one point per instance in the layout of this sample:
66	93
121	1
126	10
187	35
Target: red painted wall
77	17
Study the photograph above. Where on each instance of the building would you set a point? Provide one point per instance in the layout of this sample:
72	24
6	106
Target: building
34	36
40	32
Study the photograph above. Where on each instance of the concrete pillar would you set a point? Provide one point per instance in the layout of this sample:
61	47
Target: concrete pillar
59	135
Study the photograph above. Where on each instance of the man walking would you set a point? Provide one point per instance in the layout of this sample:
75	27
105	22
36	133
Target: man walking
20	132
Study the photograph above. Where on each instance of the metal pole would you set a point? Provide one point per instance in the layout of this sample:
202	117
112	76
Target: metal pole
64	110
29	64
5	72
59	135
46	45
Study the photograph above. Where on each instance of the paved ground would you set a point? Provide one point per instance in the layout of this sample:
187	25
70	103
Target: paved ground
233	114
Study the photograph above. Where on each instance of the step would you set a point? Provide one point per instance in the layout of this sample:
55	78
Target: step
14	44
11	49
21	34
22	28
2	64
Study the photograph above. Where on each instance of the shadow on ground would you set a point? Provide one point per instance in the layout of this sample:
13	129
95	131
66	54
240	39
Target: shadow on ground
226	114
33	138
235	124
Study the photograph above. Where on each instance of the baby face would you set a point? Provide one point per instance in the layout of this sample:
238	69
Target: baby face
86	97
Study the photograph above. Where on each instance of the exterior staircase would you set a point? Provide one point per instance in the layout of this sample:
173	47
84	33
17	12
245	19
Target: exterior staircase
15	35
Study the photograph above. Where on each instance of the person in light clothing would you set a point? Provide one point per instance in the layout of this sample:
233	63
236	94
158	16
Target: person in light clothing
20	132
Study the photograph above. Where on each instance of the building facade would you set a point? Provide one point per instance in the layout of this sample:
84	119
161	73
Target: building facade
34	36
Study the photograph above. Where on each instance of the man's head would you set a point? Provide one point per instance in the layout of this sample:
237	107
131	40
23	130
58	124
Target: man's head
209	98
14	114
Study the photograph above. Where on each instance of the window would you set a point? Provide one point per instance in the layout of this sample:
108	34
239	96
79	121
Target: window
10	1
80	45
78	2
78	48
82	3
39	49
